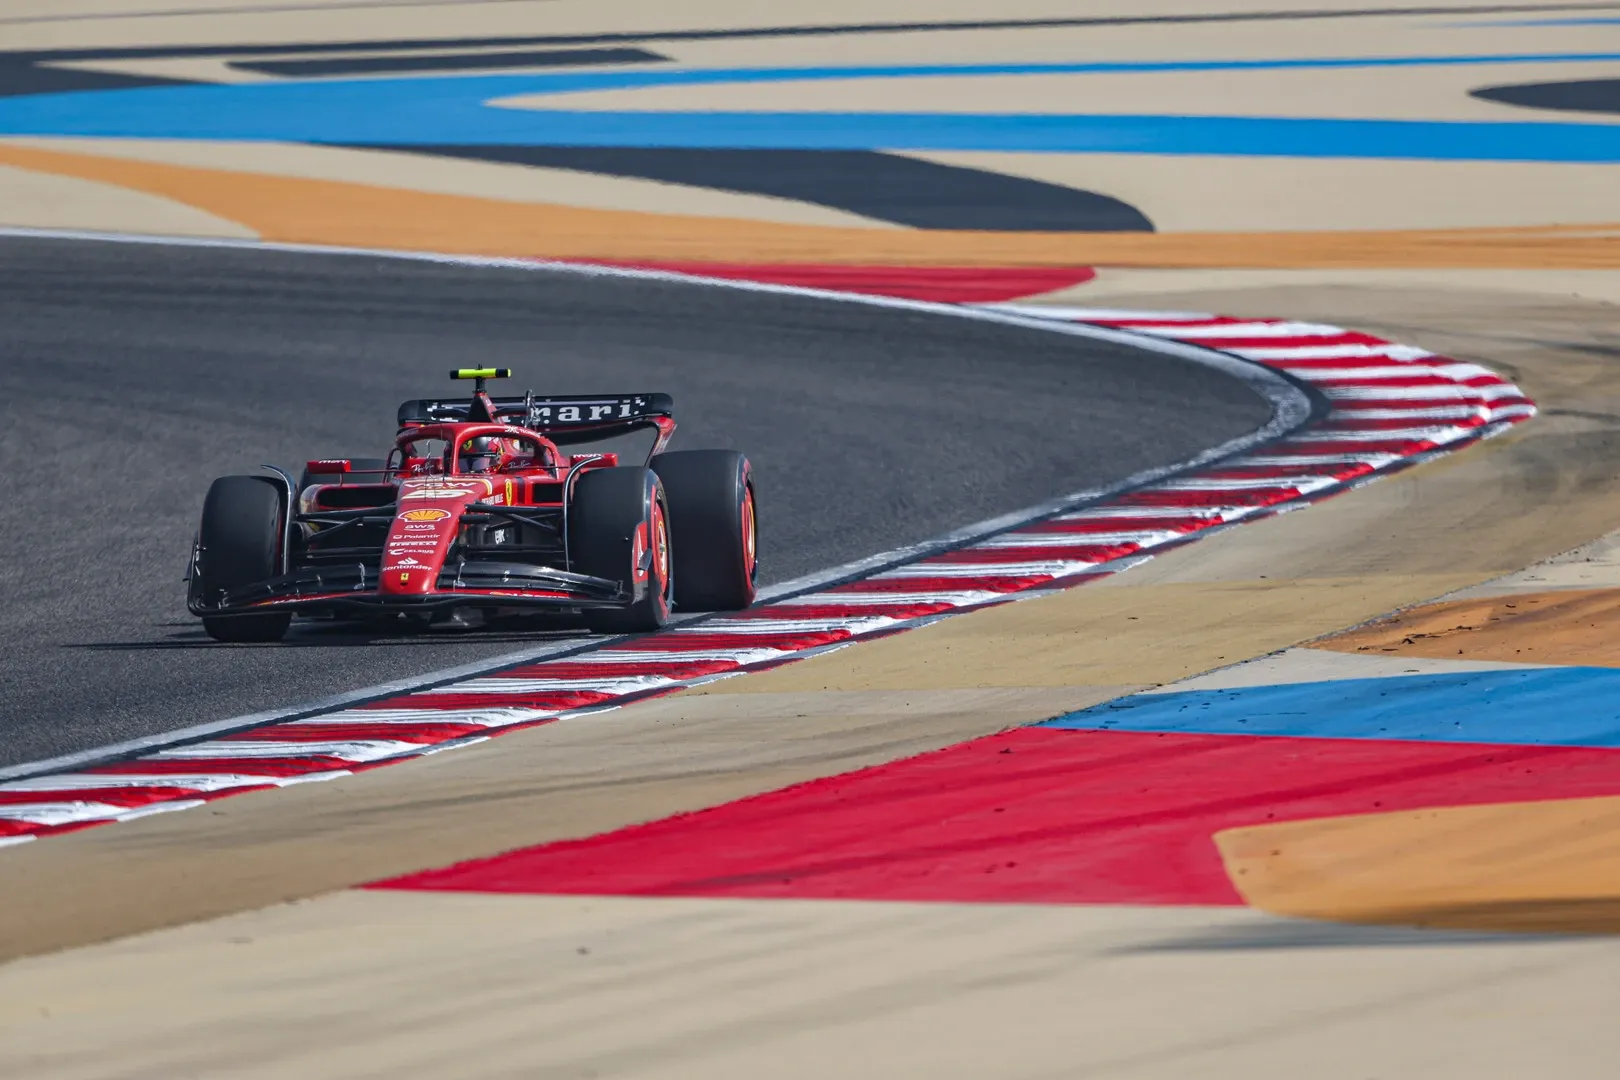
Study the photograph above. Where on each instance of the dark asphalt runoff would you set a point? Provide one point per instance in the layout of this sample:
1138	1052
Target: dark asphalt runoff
132	375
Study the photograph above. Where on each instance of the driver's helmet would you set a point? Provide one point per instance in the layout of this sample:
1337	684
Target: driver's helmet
482	454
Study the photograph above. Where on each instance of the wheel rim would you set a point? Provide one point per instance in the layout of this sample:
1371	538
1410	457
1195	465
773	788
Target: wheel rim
749	538
660	550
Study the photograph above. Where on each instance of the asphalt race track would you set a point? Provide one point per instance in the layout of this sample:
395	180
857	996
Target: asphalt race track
131	375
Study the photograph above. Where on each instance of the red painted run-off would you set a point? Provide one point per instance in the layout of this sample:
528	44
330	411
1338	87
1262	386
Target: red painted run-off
1033	815
939	284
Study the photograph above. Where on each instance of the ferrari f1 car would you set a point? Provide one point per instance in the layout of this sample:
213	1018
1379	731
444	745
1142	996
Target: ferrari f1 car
484	504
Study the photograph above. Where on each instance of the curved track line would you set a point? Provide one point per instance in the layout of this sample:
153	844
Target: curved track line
1388	406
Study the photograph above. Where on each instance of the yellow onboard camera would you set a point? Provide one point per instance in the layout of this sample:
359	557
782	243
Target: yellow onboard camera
481	373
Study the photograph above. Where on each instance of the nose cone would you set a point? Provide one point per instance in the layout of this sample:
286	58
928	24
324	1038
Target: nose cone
424	528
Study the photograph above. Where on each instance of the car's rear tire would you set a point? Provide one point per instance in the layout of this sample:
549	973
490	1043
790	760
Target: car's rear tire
618	528
713	526
239	543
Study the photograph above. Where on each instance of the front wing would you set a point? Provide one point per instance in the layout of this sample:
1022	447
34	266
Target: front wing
355	587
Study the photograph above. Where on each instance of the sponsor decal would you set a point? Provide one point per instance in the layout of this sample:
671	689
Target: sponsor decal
407	541
447	489
421	528
583	413
426	514
436	493
406	561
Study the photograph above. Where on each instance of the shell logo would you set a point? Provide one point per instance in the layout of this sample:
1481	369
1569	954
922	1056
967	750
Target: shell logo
424	515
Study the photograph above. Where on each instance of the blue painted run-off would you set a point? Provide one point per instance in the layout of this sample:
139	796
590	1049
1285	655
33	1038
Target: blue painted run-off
1563	706
1586	21
458	109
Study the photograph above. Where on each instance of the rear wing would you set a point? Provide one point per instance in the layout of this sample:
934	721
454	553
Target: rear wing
588	416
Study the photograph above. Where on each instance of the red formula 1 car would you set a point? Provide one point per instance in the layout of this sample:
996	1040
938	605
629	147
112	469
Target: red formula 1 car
482	506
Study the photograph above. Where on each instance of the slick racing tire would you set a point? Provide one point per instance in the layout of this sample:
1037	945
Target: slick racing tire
240	543
618	528
362	470
713	526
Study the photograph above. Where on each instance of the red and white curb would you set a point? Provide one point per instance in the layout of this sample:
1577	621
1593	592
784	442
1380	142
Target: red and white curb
1388	406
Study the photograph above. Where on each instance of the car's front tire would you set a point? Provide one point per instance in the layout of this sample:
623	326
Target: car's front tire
618	528
239	543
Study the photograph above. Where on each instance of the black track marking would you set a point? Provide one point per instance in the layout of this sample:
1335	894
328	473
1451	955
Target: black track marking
466	61
885	187
1584	96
